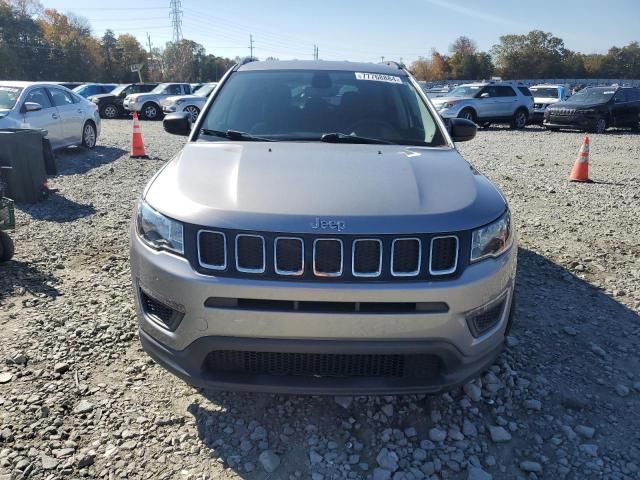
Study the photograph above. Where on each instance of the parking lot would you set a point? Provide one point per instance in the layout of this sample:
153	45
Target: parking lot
79	398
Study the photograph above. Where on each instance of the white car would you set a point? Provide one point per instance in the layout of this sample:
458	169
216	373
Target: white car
68	118
545	95
148	104
191	104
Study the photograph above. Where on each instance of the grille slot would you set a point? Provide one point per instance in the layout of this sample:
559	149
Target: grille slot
161	313
328	257
250	253
486	318
212	249
289	256
367	258
406	257
316	365
443	255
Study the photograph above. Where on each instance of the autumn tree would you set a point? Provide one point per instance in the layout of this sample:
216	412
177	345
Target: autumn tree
536	54
467	62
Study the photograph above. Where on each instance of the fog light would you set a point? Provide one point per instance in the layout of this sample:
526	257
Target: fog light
483	319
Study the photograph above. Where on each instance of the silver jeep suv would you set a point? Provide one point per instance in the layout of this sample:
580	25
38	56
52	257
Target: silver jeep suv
320	233
488	102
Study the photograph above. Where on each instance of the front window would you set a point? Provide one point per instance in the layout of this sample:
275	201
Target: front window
160	88
8	98
304	105
593	95
464	91
545	92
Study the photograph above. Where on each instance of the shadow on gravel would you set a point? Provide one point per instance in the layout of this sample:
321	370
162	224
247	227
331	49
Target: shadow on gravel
560	318
76	160
57	208
21	277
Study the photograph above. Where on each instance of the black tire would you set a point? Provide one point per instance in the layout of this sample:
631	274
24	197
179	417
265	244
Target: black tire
109	111
600	126
89	135
151	111
193	111
468	114
519	119
7	248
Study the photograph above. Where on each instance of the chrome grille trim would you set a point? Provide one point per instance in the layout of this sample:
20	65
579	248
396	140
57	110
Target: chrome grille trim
415	273
208	265
455	262
275	257
324	274
378	272
264	260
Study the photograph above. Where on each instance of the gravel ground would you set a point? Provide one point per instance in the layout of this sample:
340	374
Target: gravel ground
78	397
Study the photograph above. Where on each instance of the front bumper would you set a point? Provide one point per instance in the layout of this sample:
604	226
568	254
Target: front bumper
169	108
202	329
132	106
579	122
449	112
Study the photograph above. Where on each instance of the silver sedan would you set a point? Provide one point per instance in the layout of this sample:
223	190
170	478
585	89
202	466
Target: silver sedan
68	118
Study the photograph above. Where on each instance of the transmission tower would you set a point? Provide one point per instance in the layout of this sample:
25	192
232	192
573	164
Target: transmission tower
176	19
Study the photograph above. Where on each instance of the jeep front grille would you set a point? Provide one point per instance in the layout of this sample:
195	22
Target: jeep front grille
309	257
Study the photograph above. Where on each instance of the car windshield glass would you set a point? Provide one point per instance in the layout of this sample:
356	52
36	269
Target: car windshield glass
204	90
118	90
8	98
551	92
304	105
593	95
160	88
464	91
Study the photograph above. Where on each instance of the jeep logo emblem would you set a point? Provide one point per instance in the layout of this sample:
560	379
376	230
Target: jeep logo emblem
319	224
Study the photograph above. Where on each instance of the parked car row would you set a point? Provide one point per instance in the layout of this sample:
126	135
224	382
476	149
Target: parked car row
68	118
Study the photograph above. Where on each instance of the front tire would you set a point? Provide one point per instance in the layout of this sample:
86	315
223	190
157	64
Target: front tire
468	114
7	248
193	111
601	125
151	111
89	135
109	111
519	120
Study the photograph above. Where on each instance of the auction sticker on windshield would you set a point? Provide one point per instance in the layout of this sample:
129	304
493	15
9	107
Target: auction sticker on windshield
378	77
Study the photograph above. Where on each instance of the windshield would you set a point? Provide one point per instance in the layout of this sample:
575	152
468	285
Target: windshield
464	91
304	105
593	95
160	88
8	98
205	90
80	88
545	92
118	90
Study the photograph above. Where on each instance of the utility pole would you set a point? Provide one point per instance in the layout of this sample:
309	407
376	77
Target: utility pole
251	46
315	52
151	62
382	58
176	19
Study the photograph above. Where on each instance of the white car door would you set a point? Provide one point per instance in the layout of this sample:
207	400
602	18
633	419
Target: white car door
71	115
46	119
506	101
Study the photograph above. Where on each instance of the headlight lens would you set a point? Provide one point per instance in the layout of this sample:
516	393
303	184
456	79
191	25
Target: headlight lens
447	105
492	240
159	231
180	101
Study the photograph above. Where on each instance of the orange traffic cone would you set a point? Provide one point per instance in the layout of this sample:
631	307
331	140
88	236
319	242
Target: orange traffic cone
580	170
137	145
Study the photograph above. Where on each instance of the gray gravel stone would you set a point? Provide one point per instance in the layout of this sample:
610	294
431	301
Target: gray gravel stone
269	461
437	435
476	473
584	431
5	377
530	466
499	434
473	391
83	406
387	459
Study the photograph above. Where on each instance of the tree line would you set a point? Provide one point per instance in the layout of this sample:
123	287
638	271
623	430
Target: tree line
44	44
536	54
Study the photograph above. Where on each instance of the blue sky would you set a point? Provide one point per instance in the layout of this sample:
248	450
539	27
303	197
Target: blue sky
363	30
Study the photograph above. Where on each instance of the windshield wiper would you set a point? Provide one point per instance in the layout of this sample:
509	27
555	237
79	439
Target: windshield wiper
236	135
338	137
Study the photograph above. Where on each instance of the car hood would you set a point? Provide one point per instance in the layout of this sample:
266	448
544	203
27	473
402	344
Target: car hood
286	186
576	105
449	99
101	96
546	100
175	98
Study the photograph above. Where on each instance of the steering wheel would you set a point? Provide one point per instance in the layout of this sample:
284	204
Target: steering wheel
372	127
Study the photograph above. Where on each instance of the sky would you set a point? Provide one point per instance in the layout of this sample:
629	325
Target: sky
362	30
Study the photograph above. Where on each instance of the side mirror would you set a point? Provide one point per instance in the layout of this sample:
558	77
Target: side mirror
30	107
484	95
178	123
462	129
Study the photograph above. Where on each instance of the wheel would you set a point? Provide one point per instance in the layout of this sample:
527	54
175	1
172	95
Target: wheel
150	111
109	111
7	248
467	114
601	125
89	135
193	111
519	120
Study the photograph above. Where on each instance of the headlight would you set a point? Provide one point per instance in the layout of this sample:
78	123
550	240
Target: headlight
159	231
180	101
493	239
446	105
95	100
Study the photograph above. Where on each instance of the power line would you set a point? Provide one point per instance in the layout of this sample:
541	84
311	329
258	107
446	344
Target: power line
176	19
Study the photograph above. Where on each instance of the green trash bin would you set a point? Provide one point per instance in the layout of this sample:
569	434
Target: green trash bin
21	150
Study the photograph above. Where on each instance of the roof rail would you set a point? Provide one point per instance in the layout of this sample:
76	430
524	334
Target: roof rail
244	61
392	64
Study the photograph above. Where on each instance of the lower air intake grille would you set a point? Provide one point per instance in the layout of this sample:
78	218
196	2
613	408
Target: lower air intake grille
485	320
322	365
162	313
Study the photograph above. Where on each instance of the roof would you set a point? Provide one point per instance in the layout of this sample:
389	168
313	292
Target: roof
24	84
322	65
